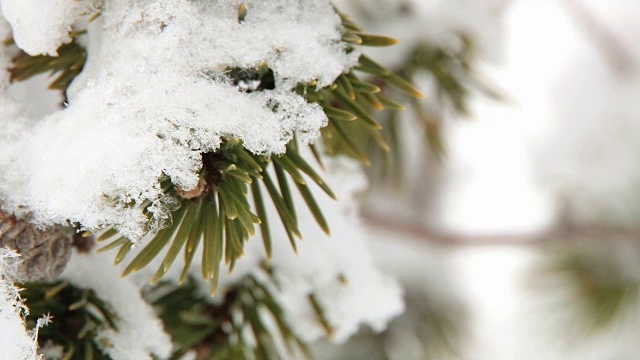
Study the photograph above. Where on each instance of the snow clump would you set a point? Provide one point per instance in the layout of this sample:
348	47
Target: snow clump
16	341
154	94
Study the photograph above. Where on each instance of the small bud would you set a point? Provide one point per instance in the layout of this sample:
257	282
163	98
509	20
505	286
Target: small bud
200	189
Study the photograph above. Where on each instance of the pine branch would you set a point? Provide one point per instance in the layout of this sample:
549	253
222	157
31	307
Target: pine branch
65	67
218	212
600	286
351	98
78	315
220	331
456	80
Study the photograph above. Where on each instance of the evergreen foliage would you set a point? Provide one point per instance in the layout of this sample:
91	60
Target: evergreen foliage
247	324
77	315
220	212
65	67
601	285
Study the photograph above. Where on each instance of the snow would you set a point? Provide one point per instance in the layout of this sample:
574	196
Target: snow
366	296
320	266
140	332
338	270
41	26
153	96
16	342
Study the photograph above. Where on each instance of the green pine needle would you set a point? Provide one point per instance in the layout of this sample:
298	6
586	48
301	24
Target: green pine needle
217	330
222	218
376	40
66	66
78	316
320	315
219	213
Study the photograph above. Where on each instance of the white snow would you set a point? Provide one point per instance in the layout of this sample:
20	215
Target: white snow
322	263
140	332
16	342
153	96
41	26
366	297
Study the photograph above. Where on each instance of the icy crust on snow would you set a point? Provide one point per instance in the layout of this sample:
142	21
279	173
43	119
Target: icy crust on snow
41	26
16	341
338	270
154	94
140	333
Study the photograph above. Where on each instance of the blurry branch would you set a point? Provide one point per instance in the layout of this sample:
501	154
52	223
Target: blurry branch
571	233
613	49
431	236
594	270
590	274
439	325
596	281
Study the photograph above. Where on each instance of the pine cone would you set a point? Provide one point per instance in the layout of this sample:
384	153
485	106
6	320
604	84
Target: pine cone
44	253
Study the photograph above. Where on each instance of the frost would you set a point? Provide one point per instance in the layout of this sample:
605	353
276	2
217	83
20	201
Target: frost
155	93
16	341
140	332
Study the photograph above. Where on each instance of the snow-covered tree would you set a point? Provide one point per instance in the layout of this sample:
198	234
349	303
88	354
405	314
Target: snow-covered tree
180	132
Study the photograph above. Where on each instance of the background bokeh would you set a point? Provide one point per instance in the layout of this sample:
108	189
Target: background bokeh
512	220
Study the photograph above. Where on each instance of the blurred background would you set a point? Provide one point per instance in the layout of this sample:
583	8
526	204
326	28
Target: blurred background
510	207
